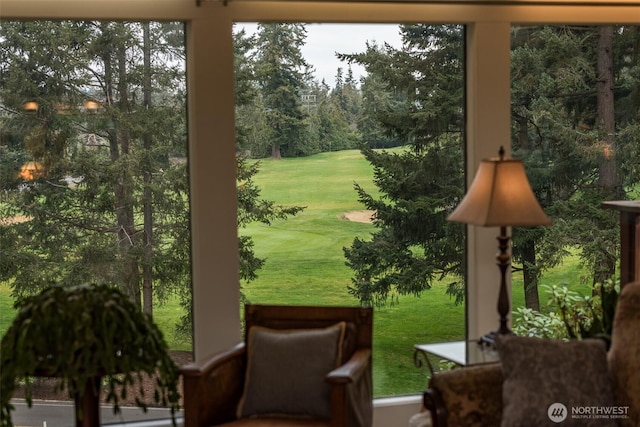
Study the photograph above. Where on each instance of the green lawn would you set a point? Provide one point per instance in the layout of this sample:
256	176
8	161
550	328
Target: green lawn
305	265
7	312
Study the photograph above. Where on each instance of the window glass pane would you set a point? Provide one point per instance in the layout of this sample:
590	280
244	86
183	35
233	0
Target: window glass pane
350	150
575	125
93	170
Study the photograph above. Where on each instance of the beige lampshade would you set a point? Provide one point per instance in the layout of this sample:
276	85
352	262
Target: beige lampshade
500	195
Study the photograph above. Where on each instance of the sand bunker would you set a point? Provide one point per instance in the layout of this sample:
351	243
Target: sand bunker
359	216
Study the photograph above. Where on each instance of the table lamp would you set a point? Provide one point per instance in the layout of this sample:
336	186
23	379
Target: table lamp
500	196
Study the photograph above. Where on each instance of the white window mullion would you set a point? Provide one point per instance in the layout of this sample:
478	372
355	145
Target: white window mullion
213	186
488	128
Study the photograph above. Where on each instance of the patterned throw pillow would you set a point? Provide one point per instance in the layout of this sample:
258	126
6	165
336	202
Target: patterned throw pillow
286	371
472	395
552	382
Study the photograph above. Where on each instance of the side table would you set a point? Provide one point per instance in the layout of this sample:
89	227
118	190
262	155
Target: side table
462	353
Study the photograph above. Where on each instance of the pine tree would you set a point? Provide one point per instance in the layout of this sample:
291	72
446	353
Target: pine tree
281	71
422	108
251	207
111	203
564	133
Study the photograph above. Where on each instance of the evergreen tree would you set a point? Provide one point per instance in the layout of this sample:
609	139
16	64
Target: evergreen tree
565	136
251	207
281	73
110	204
251	126
375	100
347	96
544	136
559	126
329	122
414	245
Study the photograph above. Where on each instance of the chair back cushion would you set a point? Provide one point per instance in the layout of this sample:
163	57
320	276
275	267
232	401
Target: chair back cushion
358	320
286	370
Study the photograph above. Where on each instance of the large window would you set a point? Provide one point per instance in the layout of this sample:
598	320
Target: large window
370	152
93	162
211	126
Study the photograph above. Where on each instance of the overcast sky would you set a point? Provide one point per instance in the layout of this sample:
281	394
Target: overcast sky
324	40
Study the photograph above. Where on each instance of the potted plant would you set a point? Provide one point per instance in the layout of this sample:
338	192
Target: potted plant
89	337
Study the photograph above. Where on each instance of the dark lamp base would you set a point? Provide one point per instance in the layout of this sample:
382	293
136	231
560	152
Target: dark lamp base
490	339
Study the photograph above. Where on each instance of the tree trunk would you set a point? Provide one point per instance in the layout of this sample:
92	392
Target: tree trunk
118	147
528	247
608	180
275	152
147	199
523	133
107	53
530	276
124	190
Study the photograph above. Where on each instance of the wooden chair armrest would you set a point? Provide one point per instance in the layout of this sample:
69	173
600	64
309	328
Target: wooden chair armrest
352	369
352	391
212	387
204	366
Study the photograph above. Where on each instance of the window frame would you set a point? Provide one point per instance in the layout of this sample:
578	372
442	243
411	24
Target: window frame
212	131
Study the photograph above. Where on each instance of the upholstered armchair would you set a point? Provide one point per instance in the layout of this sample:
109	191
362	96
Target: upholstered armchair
537	380
297	366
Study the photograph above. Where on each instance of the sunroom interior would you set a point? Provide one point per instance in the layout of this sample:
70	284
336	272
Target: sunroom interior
211	131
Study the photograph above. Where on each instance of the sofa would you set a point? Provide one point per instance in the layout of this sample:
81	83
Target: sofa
540	382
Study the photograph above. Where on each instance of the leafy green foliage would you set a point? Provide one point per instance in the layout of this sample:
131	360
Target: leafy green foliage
532	323
82	333
572	315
